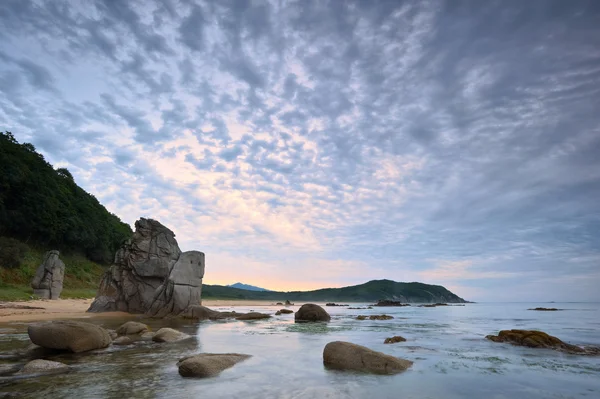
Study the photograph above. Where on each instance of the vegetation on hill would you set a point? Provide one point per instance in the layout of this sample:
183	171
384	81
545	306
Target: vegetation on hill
369	292
44	207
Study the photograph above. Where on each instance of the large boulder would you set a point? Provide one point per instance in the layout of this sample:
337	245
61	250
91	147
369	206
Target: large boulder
169	335
208	364
311	312
40	366
132	328
539	339
48	280
74	336
151	275
346	356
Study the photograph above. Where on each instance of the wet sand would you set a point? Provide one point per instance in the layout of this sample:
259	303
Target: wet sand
76	308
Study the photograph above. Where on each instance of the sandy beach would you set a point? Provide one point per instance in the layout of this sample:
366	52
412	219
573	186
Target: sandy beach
76	308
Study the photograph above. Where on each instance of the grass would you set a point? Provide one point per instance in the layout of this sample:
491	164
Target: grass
81	277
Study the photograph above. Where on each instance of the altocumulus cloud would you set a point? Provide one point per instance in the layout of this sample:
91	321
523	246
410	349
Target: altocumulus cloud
448	142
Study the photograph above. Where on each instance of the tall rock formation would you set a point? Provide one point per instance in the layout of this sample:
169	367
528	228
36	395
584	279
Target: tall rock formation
48	280
151	275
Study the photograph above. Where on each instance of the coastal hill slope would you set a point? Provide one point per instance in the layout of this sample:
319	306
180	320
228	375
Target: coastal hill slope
44	206
368	292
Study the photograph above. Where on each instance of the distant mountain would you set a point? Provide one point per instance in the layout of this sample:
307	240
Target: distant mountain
368	292
246	287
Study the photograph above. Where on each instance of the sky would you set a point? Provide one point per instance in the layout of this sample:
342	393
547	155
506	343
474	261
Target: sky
308	144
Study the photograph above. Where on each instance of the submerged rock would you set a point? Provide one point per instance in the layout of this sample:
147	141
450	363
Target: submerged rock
433	305
375	317
539	339
347	356
311	312
132	328
334	304
252	316
394	340
40	366
208	364
545	309
166	334
284	311
151	275
123	340
48	280
74	336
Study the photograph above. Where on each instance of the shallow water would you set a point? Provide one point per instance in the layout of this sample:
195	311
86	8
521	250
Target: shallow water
451	357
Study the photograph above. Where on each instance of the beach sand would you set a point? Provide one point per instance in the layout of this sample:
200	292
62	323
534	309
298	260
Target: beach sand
76	308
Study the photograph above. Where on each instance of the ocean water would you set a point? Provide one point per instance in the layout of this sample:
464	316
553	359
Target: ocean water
452	358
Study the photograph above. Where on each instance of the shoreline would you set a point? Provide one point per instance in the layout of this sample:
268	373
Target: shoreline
45	309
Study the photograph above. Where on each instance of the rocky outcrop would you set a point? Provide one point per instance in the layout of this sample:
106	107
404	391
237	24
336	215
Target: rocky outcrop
347	356
539	339
48	280
74	336
151	275
394	340
132	328
208	364
40	366
311	312
169	335
545	309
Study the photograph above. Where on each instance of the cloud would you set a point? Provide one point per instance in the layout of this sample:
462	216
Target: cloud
410	140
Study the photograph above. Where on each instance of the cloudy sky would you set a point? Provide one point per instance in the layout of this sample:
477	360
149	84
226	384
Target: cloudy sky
305	144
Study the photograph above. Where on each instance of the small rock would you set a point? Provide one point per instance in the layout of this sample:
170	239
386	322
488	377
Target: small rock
381	317
132	328
147	335
545	309
278	313
252	316
113	334
40	366
311	312
286	311
361	317
394	340
347	356
169	335
208	364
123	340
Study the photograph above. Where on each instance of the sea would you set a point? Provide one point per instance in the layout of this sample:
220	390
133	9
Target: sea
452	359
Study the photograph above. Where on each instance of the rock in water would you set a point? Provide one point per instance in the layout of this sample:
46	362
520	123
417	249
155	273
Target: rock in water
132	328
539	339
40	366
74	336
311	312
169	335
151	275
208	364
394	340
48	280
346	356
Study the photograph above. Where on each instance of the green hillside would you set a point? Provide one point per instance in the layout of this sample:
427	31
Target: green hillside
44	207
368	292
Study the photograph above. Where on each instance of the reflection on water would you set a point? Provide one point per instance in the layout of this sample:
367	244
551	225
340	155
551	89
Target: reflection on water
452	358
